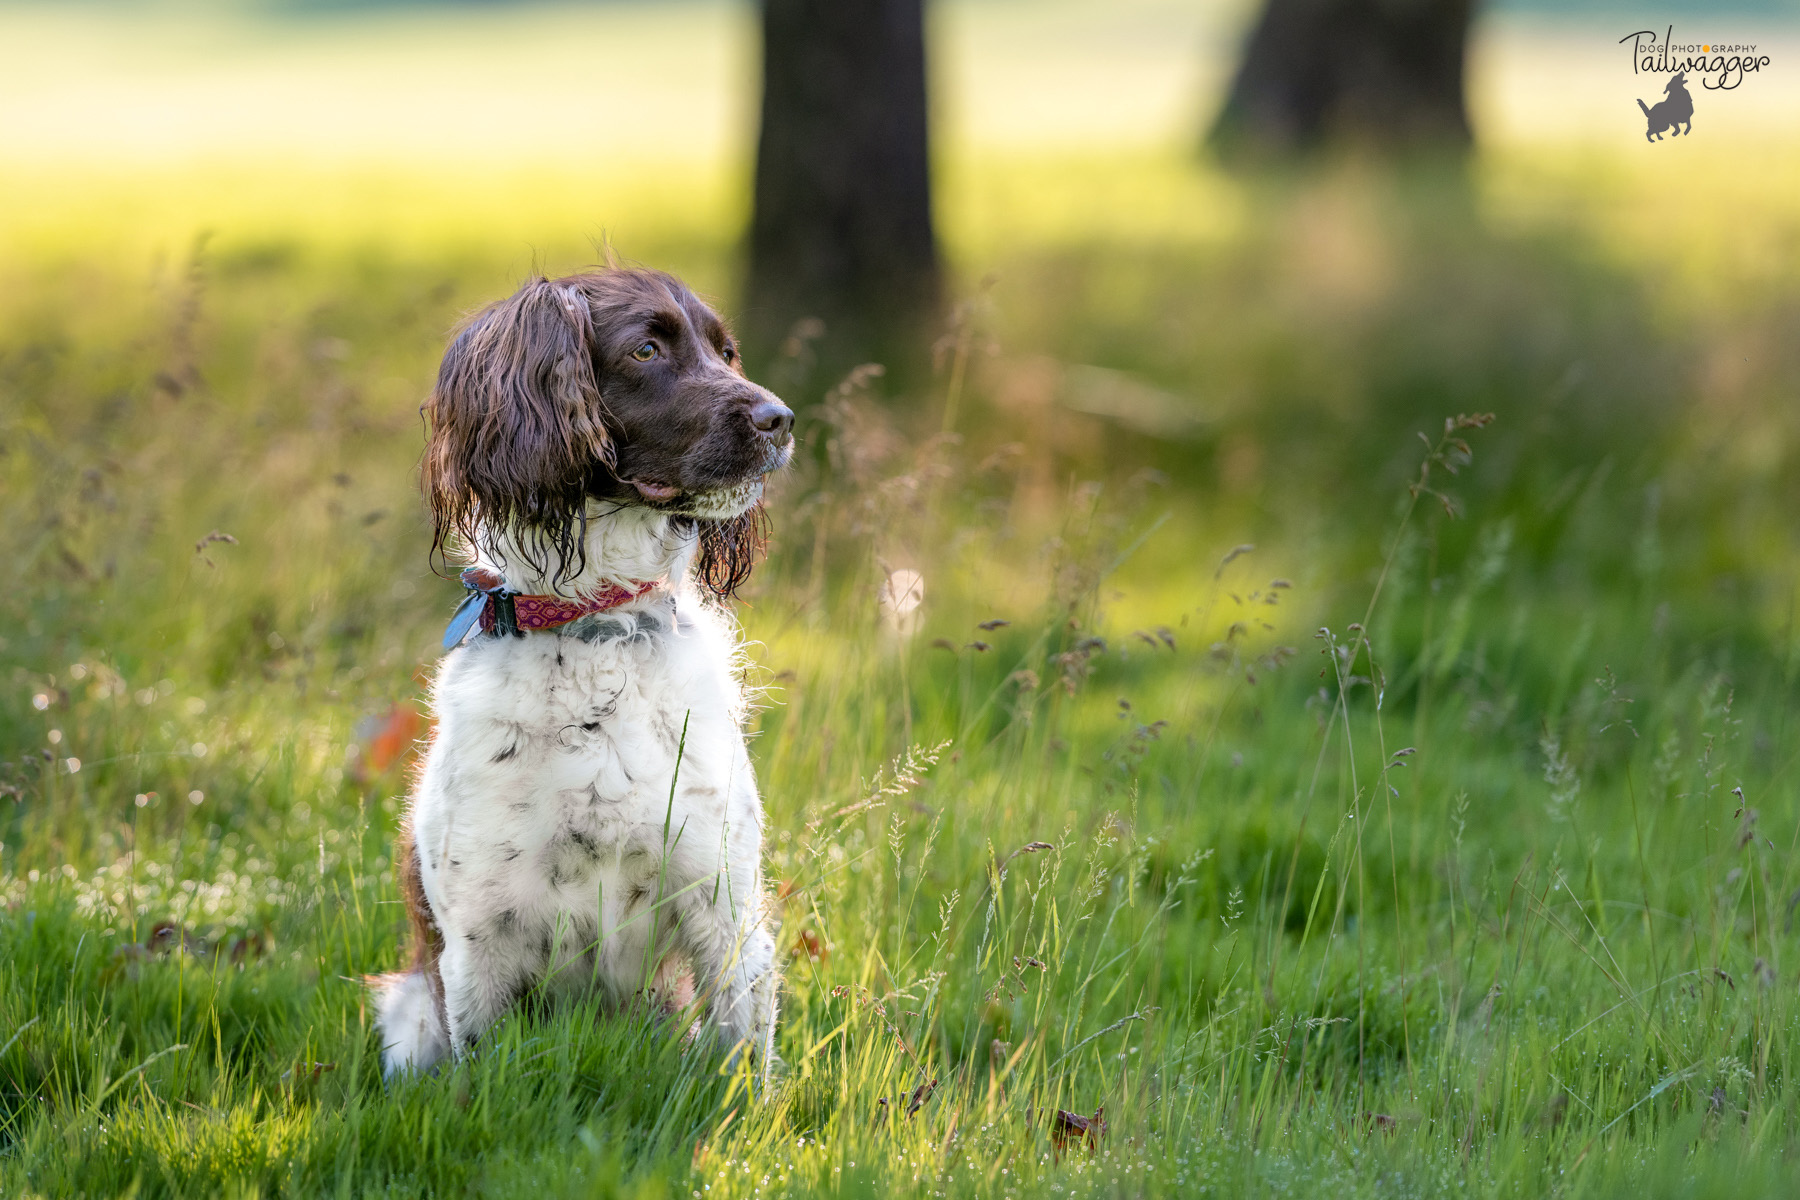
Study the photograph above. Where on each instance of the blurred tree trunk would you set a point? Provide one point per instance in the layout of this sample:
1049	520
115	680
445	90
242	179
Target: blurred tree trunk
1381	73
842	226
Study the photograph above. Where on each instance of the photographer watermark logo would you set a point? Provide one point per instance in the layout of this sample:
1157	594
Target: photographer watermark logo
1717	67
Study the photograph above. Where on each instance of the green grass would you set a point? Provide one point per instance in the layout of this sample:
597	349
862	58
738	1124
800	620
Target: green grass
1473	908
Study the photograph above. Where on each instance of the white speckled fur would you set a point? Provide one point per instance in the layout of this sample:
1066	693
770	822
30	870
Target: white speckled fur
539	816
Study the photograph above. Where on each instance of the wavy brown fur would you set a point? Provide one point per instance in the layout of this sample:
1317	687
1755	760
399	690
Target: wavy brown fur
730	550
515	428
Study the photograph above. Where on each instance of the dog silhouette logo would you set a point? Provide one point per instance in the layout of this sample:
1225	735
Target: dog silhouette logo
1671	114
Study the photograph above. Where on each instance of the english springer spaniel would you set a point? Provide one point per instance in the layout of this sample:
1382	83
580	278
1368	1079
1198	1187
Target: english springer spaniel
586	816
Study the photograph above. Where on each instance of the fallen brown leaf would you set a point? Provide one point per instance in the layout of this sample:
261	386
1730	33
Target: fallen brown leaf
1071	1129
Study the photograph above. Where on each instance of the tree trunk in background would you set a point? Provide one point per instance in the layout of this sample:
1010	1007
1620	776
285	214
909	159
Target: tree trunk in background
842	225
1381	73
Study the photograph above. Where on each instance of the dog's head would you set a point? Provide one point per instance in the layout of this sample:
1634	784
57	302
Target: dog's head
1676	84
619	387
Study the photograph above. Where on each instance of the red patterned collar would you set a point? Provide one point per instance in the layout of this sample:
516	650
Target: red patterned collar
500	611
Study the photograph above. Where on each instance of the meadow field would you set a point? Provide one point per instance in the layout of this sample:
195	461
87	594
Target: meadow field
1293	781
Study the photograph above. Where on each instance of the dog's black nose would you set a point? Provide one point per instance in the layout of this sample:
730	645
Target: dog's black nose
773	419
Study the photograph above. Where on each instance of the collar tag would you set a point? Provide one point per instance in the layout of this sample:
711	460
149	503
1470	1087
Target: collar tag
484	586
464	619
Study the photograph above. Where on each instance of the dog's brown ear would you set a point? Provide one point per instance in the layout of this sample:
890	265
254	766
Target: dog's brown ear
515	425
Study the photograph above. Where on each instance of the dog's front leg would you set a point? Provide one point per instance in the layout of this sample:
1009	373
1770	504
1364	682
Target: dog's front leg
736	971
483	970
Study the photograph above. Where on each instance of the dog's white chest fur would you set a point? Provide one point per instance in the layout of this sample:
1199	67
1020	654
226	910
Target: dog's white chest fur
586	818
558	764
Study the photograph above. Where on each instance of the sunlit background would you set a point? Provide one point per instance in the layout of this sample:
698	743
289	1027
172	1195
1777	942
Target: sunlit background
620	85
619	94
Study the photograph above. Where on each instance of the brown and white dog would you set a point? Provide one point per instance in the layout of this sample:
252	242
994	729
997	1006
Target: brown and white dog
586	816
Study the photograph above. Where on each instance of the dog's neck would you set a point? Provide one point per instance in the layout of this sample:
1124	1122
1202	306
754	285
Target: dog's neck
625	546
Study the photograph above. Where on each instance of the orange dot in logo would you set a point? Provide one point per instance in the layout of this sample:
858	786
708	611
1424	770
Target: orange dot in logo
1706	49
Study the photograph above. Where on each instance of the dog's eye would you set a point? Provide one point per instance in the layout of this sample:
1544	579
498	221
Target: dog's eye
645	352
730	353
